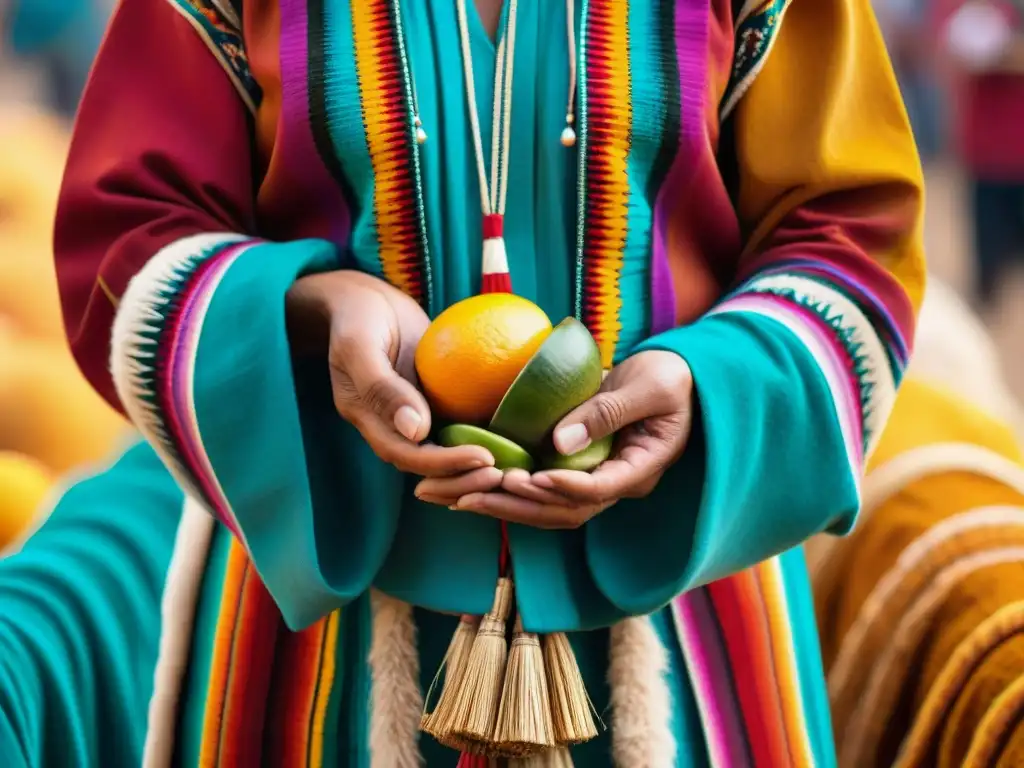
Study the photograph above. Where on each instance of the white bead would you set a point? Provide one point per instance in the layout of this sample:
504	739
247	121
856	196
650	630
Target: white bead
568	137
421	136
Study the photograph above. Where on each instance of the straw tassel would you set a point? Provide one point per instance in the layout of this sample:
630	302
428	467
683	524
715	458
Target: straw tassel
441	721
571	708
524	725
495	277
479	693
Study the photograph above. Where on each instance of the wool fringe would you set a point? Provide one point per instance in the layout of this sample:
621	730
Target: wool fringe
177	613
641	703
396	702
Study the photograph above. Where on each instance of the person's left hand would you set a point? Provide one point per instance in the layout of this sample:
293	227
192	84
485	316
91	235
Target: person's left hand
647	400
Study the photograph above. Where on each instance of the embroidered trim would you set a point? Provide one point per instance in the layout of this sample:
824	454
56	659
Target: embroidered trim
385	93
220	28
757	27
153	348
605	101
870	360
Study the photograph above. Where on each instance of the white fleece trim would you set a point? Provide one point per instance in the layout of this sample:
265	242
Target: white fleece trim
177	617
641	703
396	702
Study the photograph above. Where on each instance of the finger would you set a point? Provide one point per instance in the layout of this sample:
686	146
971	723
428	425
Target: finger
514	509
447	490
519	482
607	412
426	460
635	465
365	375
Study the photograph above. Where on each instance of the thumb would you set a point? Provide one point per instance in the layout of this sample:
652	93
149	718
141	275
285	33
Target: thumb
604	414
381	391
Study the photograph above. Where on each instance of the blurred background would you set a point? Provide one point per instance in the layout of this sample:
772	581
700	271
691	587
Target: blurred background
960	65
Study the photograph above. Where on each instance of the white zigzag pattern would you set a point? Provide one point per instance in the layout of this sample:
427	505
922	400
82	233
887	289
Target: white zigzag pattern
133	349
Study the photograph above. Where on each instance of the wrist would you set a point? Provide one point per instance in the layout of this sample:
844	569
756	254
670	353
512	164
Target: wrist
309	306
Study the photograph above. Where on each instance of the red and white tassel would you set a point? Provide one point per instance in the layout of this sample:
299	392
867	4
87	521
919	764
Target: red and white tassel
496	278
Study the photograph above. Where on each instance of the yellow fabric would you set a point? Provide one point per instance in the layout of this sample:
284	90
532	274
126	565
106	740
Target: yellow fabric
932	612
823	117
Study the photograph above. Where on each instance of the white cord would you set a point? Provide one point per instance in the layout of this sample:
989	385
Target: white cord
494	195
570	28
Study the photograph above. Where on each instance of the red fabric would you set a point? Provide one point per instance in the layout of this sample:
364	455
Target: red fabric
496	282
988	109
161	150
989	125
494	226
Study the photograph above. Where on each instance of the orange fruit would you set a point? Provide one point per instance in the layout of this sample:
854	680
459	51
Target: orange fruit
473	351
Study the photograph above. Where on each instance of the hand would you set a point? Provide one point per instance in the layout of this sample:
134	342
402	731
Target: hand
648	401
370	331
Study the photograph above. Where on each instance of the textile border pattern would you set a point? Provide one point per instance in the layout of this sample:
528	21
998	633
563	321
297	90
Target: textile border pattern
153	353
757	27
220	28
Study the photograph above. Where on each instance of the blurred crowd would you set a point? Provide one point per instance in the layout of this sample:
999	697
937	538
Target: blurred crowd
960	65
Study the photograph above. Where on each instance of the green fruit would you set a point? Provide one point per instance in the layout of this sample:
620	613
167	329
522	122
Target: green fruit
583	461
507	455
562	374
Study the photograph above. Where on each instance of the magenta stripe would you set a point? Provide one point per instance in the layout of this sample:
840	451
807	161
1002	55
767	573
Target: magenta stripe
691	38
324	212
711	677
836	359
179	349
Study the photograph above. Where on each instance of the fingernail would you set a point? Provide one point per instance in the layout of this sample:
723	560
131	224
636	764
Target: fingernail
467	501
572	439
542	481
407	422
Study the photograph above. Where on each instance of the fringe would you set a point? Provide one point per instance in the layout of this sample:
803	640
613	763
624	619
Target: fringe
641	702
395	699
177	614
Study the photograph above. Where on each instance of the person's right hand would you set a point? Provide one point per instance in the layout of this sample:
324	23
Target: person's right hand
369	331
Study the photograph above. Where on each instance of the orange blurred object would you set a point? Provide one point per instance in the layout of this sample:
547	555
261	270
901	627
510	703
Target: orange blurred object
24	484
473	351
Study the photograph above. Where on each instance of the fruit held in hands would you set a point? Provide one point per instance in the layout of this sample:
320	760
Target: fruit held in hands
507	455
587	460
495	360
473	351
563	374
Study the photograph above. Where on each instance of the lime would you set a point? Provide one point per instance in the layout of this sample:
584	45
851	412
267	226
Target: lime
507	455
562	374
582	461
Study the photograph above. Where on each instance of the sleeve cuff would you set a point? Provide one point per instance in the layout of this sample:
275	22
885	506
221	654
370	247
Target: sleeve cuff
793	386
202	365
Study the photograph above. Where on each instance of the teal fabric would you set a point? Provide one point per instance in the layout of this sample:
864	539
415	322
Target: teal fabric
80	620
765	468
541	213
